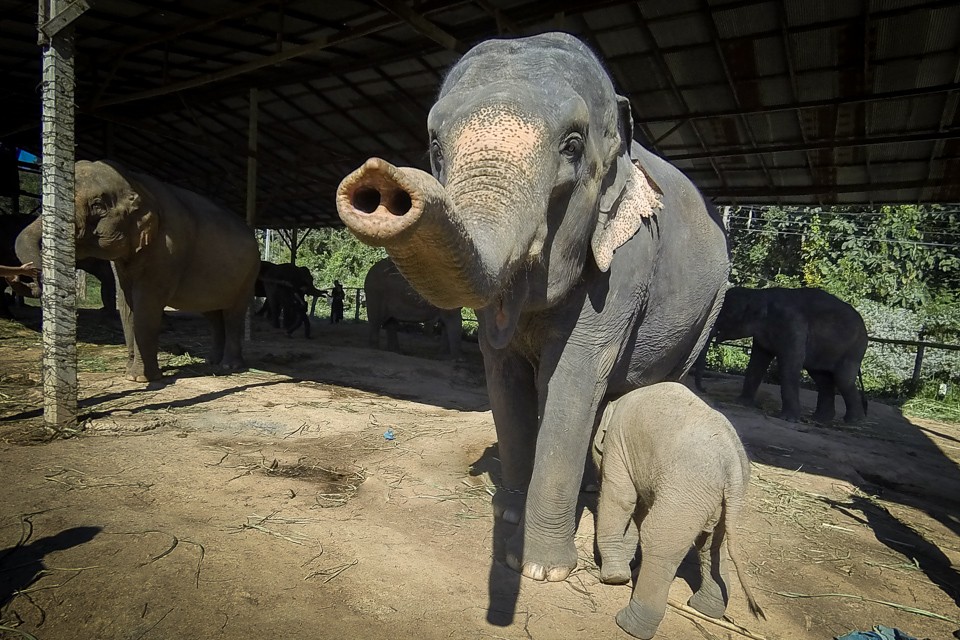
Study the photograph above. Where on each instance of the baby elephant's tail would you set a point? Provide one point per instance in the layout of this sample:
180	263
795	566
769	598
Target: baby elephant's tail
731	518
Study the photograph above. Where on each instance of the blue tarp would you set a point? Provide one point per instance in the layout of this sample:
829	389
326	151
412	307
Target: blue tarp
879	632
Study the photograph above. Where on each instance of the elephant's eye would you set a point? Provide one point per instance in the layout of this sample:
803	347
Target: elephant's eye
572	147
436	156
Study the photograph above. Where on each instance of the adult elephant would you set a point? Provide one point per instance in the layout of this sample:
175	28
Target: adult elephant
594	265
169	247
278	284
28	244
803	329
391	299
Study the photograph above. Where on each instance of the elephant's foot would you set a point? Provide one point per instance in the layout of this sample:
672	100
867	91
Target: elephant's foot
539	558
508	504
746	401
639	621
789	416
232	363
822	417
139	373
709	601
614	572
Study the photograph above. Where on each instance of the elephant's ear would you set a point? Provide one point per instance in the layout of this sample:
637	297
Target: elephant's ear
628	195
148	222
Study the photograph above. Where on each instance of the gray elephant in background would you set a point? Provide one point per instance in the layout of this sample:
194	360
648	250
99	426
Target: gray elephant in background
283	287
804	328
169	247
595	266
28	246
678	466
391	299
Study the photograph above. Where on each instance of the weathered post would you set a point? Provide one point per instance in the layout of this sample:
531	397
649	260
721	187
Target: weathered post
918	363
356	305
58	256
251	186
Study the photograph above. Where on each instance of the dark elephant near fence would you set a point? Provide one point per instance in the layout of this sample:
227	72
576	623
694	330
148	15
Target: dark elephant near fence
594	265
28	244
169	247
803	329
391	299
283	287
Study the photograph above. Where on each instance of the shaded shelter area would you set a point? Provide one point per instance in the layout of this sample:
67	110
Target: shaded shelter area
758	101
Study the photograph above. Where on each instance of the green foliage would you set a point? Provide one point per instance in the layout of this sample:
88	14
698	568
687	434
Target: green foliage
728	358
903	256
331	254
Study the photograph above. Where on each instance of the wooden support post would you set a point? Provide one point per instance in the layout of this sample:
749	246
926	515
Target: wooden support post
356	306
58	256
251	186
917	364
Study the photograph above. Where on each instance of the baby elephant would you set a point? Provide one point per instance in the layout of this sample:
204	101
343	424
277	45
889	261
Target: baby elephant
680	467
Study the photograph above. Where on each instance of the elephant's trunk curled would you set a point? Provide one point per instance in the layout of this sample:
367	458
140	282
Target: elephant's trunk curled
409	213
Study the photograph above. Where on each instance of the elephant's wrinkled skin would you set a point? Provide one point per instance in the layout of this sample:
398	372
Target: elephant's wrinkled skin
594	266
169	247
28	245
391	299
803	329
677	465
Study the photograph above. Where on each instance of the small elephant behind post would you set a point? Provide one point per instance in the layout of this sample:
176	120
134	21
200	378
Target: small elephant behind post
677	465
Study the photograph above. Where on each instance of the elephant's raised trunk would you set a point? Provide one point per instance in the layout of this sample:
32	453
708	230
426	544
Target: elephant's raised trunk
408	212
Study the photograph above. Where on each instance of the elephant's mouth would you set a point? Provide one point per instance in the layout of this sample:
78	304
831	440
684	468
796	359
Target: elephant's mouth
499	319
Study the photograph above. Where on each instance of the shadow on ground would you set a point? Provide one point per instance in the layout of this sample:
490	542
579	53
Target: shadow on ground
886	456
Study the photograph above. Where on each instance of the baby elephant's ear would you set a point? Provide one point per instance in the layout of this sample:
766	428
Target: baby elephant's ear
638	201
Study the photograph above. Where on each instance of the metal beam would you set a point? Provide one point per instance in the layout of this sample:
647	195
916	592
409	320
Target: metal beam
319	44
423	26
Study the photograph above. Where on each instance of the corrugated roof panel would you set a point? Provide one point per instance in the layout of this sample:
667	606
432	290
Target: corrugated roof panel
769	59
619	42
694	67
819	85
609	18
740	21
814	49
685	30
809	12
662	8
638	75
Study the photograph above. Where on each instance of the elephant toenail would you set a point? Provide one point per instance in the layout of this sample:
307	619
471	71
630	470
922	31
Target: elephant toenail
534	571
558	574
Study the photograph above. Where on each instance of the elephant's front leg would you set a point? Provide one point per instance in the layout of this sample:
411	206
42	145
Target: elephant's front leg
144	314
760	360
543	548
615	509
511	387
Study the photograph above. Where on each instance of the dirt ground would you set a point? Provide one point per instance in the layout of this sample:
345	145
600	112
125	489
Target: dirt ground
269	503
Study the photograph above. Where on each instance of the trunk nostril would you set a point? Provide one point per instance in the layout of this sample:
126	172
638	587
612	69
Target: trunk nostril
366	200
400	203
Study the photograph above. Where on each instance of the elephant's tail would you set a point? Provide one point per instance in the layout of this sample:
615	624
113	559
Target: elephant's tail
863	396
731	518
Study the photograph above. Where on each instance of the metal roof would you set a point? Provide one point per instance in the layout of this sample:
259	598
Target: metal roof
759	101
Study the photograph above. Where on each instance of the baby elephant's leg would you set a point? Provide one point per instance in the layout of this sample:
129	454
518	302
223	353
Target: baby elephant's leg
712	596
666	534
617	502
